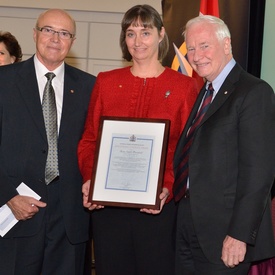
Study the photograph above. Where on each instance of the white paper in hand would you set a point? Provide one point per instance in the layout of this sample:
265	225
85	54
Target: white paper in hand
7	219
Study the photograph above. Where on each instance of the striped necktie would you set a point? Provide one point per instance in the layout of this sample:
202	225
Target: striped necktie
181	175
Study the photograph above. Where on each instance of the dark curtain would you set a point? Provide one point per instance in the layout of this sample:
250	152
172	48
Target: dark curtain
175	14
245	19
256	30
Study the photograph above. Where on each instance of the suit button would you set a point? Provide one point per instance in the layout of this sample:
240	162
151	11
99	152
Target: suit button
44	151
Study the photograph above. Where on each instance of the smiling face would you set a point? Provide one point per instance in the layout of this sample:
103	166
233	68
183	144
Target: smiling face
51	50
143	43
206	53
5	57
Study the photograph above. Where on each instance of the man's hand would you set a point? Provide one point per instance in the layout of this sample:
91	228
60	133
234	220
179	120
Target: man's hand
24	207
233	251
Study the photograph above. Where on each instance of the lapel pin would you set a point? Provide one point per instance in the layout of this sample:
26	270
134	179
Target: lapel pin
72	91
225	92
167	94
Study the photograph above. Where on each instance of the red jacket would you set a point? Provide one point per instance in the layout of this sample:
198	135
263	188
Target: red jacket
118	93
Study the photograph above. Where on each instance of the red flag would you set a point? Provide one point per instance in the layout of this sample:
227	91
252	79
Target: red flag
210	7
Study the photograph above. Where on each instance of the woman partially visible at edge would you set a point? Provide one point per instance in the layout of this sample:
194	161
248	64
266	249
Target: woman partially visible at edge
10	50
131	241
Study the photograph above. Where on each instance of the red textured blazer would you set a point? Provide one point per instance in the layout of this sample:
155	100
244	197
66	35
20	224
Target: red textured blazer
118	93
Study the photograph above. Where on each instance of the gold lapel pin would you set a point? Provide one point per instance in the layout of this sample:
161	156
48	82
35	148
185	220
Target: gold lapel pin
72	91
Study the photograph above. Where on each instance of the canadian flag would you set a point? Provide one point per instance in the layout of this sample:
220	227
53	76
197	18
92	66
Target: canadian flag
210	7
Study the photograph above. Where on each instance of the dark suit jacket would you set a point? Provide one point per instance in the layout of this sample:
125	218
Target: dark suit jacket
232	166
23	144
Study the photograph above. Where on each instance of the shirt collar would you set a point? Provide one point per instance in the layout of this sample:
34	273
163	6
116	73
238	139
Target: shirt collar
41	70
218	81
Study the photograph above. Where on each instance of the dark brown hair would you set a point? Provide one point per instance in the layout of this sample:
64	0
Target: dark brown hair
149	18
12	45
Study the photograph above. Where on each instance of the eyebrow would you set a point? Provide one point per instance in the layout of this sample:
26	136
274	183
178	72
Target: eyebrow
202	43
143	28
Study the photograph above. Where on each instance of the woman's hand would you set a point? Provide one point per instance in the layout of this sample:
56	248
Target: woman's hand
163	196
85	192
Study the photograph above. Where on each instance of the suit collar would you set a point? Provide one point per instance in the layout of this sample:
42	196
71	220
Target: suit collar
28	88
72	88
225	91
223	94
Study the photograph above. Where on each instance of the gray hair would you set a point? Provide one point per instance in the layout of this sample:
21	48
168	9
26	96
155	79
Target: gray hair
221	28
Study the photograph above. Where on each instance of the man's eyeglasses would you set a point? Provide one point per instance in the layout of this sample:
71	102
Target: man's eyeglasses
51	32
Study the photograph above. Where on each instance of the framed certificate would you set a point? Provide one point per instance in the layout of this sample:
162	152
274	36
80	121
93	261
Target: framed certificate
129	162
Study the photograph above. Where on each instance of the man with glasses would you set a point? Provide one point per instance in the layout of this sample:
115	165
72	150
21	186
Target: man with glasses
50	235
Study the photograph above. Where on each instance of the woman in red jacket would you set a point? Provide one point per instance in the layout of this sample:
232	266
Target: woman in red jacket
131	241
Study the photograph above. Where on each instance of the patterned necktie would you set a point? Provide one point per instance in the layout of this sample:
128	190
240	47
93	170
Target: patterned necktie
50	119
181	176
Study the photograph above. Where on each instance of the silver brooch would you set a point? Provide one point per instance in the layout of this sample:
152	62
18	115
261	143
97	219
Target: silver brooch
167	94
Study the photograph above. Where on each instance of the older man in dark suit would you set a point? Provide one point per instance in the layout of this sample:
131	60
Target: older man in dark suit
51	233
224	162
